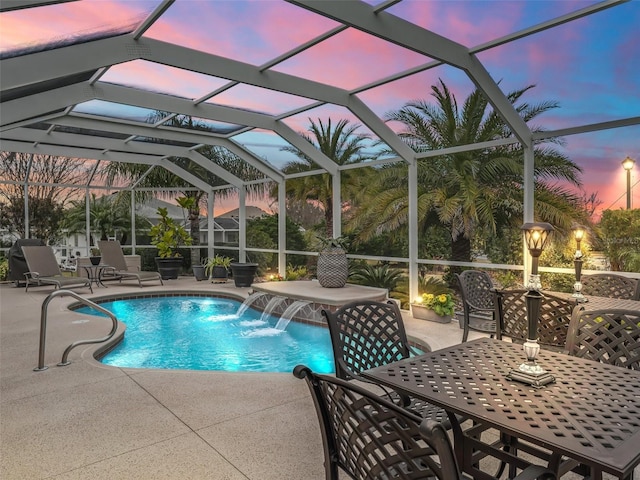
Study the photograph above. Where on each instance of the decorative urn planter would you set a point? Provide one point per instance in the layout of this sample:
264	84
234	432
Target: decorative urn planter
95	260
243	273
333	268
423	313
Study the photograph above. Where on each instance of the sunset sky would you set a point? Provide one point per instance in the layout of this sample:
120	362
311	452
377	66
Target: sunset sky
591	66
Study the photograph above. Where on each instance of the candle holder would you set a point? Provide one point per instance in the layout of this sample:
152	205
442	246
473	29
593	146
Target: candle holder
578	234
536	236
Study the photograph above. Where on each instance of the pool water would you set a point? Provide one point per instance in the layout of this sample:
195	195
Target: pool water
205	333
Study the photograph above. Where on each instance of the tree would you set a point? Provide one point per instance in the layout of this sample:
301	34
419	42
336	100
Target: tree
45	218
620	232
341	144
107	216
46	198
263	232
470	193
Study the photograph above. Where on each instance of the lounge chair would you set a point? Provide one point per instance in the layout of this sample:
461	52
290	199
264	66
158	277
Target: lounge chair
112	255
44	270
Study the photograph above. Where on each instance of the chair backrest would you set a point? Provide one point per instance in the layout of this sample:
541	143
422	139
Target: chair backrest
608	336
611	285
111	252
42	260
369	437
476	289
366	334
553	322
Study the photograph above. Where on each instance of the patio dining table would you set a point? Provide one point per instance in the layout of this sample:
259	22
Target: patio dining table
590	414
606	303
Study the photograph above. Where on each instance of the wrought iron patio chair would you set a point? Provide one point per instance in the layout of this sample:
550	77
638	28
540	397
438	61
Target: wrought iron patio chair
553	322
368	334
608	336
610	285
43	269
368	437
479	309
112	255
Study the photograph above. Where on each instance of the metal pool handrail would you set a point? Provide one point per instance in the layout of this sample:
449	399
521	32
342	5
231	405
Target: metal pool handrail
43	327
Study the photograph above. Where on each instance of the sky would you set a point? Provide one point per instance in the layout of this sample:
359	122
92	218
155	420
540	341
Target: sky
590	67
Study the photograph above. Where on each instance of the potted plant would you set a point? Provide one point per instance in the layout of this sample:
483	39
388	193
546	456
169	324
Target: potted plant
168	236
217	268
95	256
333	266
434	307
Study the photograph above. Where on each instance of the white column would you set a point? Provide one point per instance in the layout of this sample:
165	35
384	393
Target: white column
337	205
242	212
210	224
413	228
282	227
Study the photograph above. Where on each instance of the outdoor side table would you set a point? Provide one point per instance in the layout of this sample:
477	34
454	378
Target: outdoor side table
94	273
591	413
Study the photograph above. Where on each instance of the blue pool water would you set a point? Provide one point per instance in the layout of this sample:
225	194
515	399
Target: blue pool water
204	333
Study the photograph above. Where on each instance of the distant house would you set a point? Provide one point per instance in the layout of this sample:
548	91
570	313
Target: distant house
226	227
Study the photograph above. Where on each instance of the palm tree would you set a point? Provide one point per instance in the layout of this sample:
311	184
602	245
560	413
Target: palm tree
469	193
107	216
341	144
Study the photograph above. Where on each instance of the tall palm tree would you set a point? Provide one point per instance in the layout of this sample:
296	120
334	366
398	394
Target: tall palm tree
343	145
474	192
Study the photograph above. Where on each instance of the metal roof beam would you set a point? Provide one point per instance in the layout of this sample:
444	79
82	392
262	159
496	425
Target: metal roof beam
362	16
196	137
32	106
10	5
221	67
393	29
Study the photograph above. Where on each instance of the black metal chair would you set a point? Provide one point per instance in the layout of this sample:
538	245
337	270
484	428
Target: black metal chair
368	334
476	289
611	285
608	336
553	322
368	437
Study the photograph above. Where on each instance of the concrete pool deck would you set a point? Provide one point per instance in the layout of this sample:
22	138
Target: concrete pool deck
91	421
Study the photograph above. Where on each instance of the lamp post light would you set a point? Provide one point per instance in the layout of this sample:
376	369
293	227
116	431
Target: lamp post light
628	164
578	234
536	236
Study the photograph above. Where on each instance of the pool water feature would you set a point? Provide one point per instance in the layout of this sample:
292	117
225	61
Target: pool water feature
206	333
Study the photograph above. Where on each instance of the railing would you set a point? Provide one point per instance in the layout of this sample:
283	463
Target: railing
43	327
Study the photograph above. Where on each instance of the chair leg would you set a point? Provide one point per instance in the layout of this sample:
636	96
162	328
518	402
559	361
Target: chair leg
465	333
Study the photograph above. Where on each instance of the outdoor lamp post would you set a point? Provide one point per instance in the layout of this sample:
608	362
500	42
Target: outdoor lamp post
628	164
536	235
578	234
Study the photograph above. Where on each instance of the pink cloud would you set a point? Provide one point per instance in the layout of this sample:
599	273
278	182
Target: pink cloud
350	59
44	24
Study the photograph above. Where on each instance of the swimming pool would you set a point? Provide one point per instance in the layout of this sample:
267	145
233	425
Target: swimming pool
205	333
